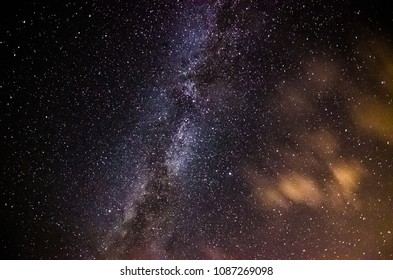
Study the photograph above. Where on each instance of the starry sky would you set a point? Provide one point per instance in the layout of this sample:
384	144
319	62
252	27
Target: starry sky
196	129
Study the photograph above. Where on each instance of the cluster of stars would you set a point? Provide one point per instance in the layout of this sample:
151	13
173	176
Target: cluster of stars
198	130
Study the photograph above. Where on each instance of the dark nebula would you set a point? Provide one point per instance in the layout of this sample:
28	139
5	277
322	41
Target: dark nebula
220	129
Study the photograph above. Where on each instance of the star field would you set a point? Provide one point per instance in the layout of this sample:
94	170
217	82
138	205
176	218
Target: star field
197	130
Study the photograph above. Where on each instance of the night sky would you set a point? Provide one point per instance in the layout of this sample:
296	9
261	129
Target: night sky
222	129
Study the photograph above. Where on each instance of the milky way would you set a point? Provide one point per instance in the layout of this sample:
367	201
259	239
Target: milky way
198	130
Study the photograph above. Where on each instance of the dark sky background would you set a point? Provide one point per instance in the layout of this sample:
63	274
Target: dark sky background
196	130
